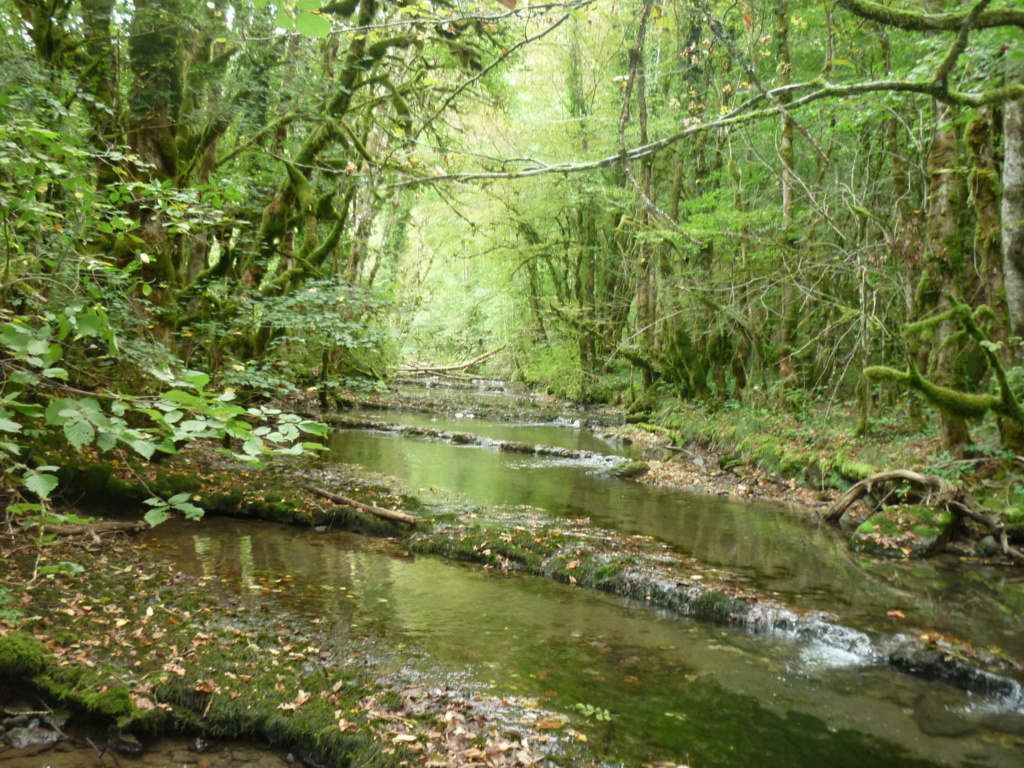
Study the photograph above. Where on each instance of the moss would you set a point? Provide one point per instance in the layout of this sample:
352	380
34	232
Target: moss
855	471
628	469
913	530
115	703
21	656
717	607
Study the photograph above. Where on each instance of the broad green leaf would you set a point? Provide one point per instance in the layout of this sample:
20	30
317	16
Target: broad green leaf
58	411
38	347
105	441
284	21
89	324
79	432
56	373
178	498
41	485
185	398
312	24
197	379
143	448
191	511
15	338
252	447
9	426
24	377
309	5
156	516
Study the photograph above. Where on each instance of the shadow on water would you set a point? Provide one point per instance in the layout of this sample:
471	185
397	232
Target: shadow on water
773	550
672	689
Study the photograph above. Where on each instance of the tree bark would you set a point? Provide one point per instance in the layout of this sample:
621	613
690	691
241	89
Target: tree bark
1013	219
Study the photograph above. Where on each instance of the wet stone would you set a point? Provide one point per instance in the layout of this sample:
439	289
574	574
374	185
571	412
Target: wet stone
935	718
30	736
125	744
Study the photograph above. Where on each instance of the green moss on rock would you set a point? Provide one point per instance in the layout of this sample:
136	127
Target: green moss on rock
628	469
21	656
909	531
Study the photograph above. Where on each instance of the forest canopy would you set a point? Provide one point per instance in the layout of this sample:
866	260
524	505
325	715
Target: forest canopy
205	206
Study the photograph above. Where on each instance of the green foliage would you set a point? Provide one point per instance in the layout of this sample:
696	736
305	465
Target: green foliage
8	612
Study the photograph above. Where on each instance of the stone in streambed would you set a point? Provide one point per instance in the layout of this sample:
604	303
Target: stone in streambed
934	718
628	469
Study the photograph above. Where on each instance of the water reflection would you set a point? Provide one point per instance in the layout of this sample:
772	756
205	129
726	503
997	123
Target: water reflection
774	550
675	690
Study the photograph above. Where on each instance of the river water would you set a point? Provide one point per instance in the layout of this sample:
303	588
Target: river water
644	684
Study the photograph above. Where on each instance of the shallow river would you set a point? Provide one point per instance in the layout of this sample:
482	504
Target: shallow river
775	550
672	689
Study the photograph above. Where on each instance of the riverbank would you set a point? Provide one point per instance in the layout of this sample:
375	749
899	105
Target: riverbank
162	651
130	648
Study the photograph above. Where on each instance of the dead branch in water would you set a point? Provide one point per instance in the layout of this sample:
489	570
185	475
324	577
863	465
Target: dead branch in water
426	370
393	515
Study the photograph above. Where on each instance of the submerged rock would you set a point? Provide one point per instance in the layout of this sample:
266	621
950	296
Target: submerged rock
628	469
935	718
903	532
124	743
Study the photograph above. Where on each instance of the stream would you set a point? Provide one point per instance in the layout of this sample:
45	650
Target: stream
644	684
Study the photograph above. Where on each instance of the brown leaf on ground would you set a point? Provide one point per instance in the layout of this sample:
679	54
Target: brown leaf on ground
291	706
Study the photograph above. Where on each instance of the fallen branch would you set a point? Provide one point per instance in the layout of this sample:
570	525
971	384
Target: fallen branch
937	492
388	514
857	491
425	369
107	526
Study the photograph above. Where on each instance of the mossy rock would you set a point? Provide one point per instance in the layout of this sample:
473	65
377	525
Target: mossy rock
21	656
909	531
855	471
628	469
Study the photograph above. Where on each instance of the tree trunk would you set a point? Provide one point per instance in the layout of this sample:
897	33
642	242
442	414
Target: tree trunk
945	255
1013	218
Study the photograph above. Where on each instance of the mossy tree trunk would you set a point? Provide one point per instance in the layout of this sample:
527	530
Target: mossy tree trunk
945	257
1013	219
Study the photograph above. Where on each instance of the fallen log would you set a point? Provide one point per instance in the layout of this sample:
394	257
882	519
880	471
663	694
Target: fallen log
428	369
107	526
387	514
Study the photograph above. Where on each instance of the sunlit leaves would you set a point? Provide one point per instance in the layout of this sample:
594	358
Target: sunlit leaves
312	24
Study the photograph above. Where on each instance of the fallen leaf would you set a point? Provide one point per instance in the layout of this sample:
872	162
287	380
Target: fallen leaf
291	706
896	615
550	723
175	668
403	738
573	565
